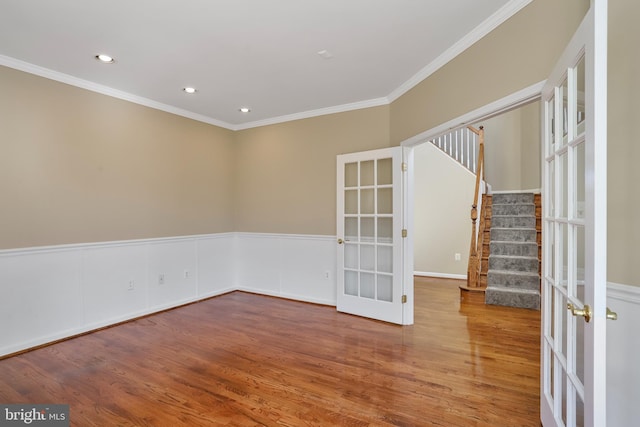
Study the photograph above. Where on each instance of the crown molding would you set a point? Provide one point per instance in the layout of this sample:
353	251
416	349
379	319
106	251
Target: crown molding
315	113
106	90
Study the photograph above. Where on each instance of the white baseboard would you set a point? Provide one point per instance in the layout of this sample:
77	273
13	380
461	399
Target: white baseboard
440	275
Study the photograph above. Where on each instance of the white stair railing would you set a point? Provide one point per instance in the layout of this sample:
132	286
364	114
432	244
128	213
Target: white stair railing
462	145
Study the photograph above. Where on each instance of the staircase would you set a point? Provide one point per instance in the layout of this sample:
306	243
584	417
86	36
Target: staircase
513	277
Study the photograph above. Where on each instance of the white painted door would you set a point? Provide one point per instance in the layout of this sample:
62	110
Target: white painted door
369	235
573	346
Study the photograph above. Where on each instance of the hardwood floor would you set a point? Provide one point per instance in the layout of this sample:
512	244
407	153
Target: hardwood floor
249	360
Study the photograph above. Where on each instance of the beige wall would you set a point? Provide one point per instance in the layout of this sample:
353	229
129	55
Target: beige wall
517	54
77	166
443	194
286	180
623	143
530	147
512	149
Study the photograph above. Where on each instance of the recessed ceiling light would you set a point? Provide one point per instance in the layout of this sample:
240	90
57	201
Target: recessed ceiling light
105	58
189	89
244	109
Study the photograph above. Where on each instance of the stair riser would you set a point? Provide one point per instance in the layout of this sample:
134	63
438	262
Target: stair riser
511	299
508	263
513	198
514	249
513	235
513	281
513	222
513	210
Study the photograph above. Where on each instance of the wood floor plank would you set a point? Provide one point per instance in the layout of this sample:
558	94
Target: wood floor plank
248	360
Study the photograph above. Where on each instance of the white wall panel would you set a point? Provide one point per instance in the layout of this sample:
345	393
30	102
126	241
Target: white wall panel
259	263
176	262
623	347
41	298
60	291
290	266
106	274
216	264
309	269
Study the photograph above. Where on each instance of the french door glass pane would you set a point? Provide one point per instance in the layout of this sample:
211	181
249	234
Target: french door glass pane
385	259
367	257
564	185
351	228
565	110
579	181
385	288
552	316
563	393
579	411
367	229
385	230
350	283
551	105
551	205
580	256
367	204
385	200
562	322
350	256
580	349
563	247
580	110
550	256
367	285
385	176
351	202
351	175
366	173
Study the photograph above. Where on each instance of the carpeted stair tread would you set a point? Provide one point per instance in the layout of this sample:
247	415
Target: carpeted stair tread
512	276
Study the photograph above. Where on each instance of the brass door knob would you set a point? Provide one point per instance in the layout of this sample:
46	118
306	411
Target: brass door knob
340	241
584	312
611	315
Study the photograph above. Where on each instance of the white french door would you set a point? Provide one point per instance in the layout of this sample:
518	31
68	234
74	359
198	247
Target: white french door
370	235
573	345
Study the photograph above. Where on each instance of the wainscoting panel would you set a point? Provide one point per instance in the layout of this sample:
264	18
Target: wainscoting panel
309	269
59	291
114	282
217	264
259	263
172	273
41	297
291	266
623	347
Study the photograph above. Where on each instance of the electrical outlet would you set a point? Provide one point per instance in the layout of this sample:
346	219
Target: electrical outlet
327	275
132	285
457	257
187	274
161	279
